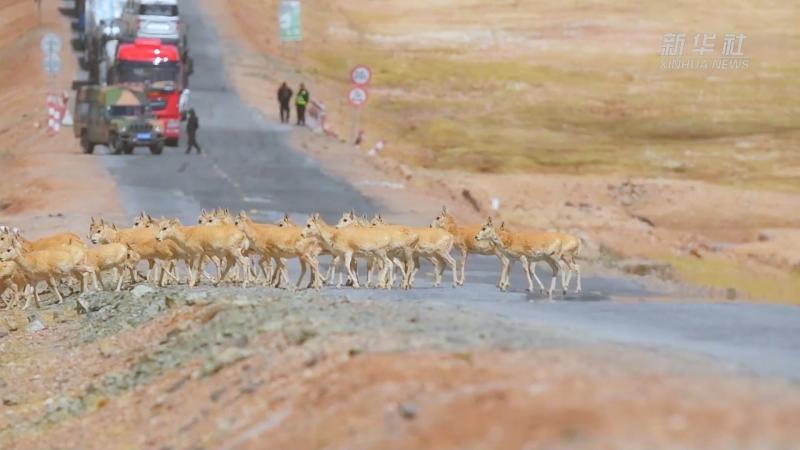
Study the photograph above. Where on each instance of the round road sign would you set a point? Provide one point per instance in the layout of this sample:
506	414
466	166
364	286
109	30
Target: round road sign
357	96
51	64
50	43
360	75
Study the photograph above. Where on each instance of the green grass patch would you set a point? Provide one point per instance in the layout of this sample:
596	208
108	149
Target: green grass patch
767	285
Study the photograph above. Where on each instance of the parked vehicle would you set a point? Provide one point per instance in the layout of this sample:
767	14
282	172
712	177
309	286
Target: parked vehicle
155	19
156	69
100	24
116	116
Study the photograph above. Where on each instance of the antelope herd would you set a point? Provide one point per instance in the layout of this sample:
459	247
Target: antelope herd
244	251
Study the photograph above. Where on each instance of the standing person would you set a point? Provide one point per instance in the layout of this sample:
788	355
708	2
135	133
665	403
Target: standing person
301	100
192	125
284	98
183	103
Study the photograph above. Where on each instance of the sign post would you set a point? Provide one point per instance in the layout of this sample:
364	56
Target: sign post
290	24
360	77
291	29
51	63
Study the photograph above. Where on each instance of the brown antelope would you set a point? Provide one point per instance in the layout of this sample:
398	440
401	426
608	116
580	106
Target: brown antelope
217	216
11	279
570	250
351	219
9	236
142	239
169	251
68	242
42	265
223	241
116	257
434	245
464	241
401	252
286	221
367	242
278	242
525	246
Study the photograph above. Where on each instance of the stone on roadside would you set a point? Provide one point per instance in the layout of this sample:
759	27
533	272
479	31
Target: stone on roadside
223	359
34	324
407	410
106	349
298	335
645	267
141	290
196	297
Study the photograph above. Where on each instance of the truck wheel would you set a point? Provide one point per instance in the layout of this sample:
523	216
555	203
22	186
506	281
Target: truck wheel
87	146
127	148
156	149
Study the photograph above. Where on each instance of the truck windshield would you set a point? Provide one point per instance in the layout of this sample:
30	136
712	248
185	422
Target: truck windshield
158	10
141	72
126	110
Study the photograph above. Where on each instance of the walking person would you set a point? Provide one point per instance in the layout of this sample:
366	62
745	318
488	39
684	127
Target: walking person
284	98
192	125
301	101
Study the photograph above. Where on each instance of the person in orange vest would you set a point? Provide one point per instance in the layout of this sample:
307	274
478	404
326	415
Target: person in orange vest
301	101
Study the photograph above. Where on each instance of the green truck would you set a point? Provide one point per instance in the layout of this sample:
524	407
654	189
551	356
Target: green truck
116	116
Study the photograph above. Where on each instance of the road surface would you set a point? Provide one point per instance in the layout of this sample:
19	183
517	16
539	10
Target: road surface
249	165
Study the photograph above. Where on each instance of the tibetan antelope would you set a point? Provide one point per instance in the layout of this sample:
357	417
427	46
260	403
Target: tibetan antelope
49	266
464	241
11	280
223	241
367	242
526	246
401	250
276	243
434	244
116	257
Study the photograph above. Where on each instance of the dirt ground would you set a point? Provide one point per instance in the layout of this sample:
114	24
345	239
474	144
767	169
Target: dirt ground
256	368
714	230
46	183
259	368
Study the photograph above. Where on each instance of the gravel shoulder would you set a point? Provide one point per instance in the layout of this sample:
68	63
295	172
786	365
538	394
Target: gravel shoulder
262	368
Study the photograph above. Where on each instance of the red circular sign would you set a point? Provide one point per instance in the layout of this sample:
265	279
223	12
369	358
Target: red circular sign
357	96
361	75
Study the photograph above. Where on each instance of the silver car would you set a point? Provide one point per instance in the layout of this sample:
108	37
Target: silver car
158	19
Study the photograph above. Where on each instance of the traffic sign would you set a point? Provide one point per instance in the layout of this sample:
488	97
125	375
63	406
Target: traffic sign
50	43
55	112
289	23
51	64
357	96
360	75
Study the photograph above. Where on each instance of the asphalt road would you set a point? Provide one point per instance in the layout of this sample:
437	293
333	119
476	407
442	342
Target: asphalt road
248	164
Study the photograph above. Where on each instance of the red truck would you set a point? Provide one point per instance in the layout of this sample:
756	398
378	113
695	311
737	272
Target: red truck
158	70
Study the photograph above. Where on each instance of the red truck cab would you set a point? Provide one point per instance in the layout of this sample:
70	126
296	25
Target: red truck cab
158	69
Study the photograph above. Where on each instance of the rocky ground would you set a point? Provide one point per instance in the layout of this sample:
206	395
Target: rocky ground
262	368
